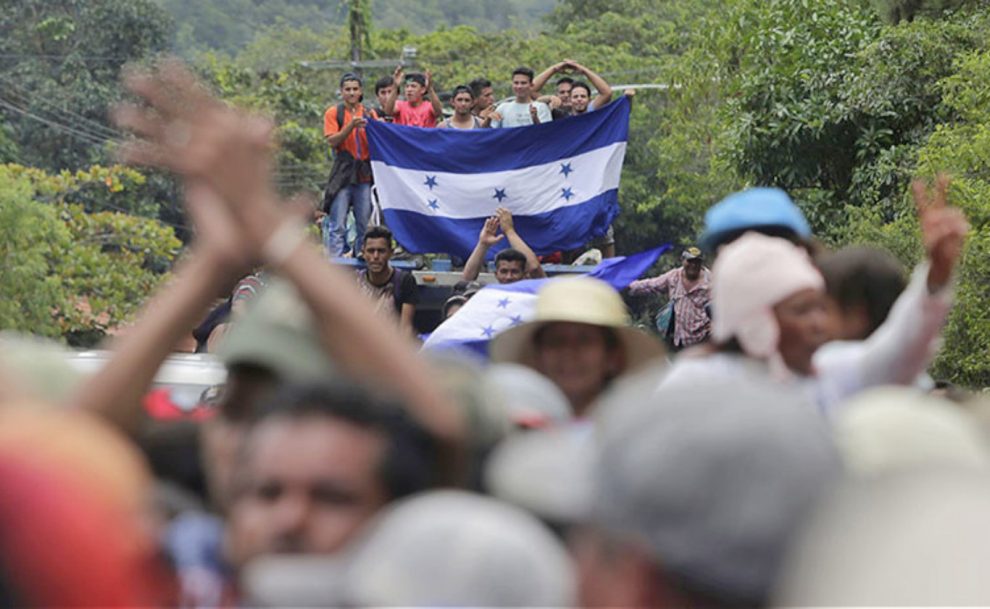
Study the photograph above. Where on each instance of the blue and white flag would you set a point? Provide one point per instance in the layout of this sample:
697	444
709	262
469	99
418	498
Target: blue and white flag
498	307
559	179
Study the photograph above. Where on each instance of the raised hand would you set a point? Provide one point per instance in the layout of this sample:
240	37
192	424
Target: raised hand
943	229
489	232
505	220
534	113
185	129
397	76
429	80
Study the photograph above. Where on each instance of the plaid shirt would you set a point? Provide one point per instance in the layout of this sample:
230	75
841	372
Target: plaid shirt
691	322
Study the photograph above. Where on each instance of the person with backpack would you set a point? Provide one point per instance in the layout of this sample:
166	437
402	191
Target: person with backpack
684	321
349	185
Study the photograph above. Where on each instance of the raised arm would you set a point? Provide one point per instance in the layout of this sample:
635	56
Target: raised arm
216	258
541	79
653	285
903	346
486	239
231	152
389	106
433	97
534	269
599	83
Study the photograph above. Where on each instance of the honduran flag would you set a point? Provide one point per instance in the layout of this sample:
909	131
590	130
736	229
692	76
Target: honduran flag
559	179
496	307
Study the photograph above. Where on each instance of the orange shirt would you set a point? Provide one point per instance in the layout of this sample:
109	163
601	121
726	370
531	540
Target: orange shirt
357	141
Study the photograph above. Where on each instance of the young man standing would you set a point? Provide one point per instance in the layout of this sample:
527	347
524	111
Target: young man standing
414	110
484	98
512	264
522	111
463	102
350	179
394	291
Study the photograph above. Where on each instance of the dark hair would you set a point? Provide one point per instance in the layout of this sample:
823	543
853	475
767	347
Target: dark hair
510	255
578	84
524	71
416	77
456	300
565	80
351	76
862	276
378	232
409	463
462	89
478	84
381	83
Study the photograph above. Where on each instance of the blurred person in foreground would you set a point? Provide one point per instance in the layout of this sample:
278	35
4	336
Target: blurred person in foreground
684	497
768	302
437	549
320	461
224	157
580	338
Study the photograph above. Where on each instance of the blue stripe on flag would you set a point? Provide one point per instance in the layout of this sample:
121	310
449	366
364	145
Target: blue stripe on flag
488	150
564	228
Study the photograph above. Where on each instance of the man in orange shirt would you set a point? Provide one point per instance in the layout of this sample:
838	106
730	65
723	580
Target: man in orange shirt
350	179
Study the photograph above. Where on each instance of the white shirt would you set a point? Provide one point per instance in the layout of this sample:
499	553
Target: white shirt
515	114
896	353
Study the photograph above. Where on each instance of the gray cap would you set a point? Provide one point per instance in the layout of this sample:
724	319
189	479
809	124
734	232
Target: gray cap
913	538
714	479
529	398
443	548
278	333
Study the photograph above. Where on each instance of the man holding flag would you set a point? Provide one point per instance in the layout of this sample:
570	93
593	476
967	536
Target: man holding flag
559	181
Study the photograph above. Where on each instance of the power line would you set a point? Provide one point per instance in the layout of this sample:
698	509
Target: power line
85	136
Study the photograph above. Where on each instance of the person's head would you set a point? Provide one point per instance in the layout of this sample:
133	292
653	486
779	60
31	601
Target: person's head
462	101
580	97
580	339
452	305
692	261
481	88
351	88
862	283
768	296
415	87
317	465
564	90
439	549
768	211
383	88
377	248
698	492
510	266
522	84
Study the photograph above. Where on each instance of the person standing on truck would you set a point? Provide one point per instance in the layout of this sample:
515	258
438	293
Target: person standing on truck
393	290
512	264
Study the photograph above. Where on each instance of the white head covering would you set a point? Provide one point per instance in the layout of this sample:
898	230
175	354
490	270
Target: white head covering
750	276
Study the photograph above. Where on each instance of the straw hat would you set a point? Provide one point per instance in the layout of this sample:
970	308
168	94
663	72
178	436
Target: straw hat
579	300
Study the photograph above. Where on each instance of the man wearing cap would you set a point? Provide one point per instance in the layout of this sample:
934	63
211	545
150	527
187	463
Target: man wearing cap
689	289
579	338
350	179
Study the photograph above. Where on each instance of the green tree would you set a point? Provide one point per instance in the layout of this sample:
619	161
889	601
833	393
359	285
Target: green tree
60	63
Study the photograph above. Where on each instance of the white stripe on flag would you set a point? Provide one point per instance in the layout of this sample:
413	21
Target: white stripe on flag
527	191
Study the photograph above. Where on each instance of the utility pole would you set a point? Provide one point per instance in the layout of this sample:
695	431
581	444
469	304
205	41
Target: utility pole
359	22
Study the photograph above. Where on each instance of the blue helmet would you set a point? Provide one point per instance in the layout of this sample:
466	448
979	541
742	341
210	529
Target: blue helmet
753	209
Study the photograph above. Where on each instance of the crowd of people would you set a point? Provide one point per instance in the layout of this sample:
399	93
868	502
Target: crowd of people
348	190
764	459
